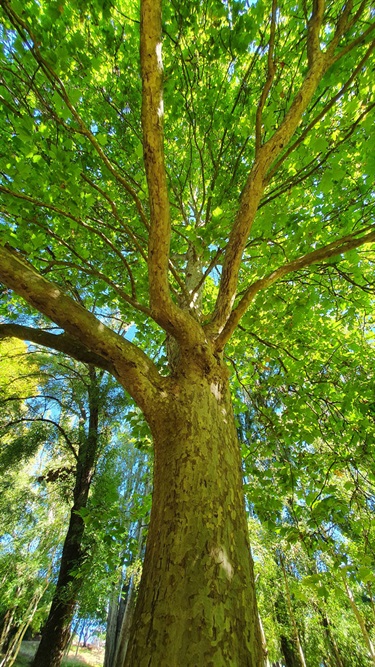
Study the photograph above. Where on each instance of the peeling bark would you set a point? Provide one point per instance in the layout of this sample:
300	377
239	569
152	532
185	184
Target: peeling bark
196	603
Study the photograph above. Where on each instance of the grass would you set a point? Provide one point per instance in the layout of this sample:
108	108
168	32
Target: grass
89	657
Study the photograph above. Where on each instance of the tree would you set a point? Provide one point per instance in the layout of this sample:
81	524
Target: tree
258	169
56	631
74	405
32	519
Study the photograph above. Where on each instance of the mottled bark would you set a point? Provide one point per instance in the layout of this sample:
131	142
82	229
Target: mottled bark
196	604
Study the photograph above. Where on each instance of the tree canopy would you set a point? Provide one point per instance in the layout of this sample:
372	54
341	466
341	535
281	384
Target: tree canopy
187	194
266	165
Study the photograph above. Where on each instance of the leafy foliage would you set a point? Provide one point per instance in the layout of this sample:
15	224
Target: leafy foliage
235	219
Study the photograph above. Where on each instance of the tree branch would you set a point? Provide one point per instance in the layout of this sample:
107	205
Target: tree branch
153	142
269	80
165	312
66	214
89	270
116	214
46	421
131	366
313	30
64	343
319	63
356	42
253	192
338	247
321	114
24	30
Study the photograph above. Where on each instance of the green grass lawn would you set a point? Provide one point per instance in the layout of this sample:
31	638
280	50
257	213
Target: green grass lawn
93	657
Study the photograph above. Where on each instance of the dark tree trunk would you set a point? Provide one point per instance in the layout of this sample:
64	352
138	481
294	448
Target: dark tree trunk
288	645
56	632
333	648
290	652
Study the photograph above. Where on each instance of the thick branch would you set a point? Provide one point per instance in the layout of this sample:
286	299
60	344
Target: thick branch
269	80
313	29
338	247
319	63
64	343
175	321
322	113
253	192
153	143
131	366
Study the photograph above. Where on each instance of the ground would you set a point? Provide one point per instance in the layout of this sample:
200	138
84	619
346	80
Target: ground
93	657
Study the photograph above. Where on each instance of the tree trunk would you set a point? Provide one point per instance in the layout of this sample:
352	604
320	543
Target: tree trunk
361	622
68	647
264	643
56	632
7	625
292	615
331	642
290	652
16	641
124	633
126	619
112	624
196	604
288	647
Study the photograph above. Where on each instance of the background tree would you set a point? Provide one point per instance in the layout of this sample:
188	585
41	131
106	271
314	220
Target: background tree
71	405
263	169
32	526
32	518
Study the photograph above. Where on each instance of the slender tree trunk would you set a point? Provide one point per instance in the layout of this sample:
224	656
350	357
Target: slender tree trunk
7	624
196	604
56	632
264	644
292	615
361	622
70	641
369	590
8	621
288	646
123	634
15	644
112	624
331	642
